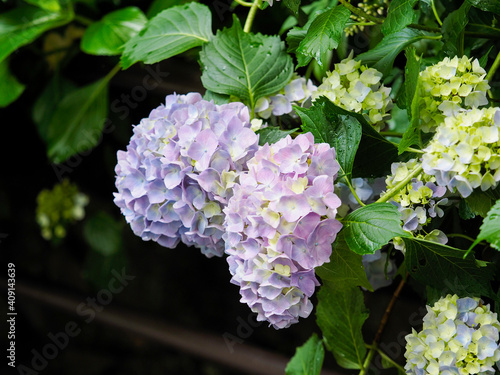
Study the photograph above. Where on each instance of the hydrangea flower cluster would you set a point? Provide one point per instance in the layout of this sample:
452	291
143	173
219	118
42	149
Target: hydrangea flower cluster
58	207
357	88
419	200
448	87
464	154
280	225
459	336
178	170
295	92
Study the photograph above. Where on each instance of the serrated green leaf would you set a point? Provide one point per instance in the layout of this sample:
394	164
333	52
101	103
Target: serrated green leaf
370	227
293	5
308	358
24	24
248	66
340	315
453	31
490	229
399	15
77	122
217	98
324	34
385	52
444	268
47	102
103	234
159	5
172	31
345	267
50	5
107	36
465	211
486	5
479	203
10	87
329	124
273	134
412	135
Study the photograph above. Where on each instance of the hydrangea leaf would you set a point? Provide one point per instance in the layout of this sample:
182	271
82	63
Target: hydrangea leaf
399	15
172	31
10	87
490	229
308	358
479	203
486	5
217	98
103	234
107	36
370	227
444	267
272	134
77	121
339	129
24	24
293	5
385	52
159	5
248	66
324	34
412	135
453	31
345	267
340	315
51	5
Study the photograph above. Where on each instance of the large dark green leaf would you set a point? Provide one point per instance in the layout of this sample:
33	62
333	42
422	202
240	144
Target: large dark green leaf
107	36
370	227
273	134
453	31
10	87
308	358
383	55
399	15
24	24
486	5
444	268
173	31
323	34
340	315
248	66
78	121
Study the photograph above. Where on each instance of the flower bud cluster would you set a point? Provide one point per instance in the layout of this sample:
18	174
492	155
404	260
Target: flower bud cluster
295	92
459	336
56	208
448	88
280	225
374	8
178	170
464	154
357	88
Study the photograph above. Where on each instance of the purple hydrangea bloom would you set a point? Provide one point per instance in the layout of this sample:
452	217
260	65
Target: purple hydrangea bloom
280	224
177	172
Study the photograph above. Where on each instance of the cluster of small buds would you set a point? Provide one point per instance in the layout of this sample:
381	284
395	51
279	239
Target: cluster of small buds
280	224
357	88
459	336
176	175
448	88
296	92
58	207
374	8
464	154
418	200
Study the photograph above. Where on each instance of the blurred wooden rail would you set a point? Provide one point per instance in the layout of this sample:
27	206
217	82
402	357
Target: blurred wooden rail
245	358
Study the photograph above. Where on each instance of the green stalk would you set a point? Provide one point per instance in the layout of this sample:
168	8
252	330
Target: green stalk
493	68
251	15
244	3
390	193
435	13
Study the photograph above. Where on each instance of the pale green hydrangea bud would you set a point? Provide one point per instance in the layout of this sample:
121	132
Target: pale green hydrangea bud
464	154
357	88
448	87
459	336
58	207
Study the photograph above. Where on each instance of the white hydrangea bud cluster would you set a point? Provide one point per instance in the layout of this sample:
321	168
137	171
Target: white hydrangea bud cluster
464	154
296	92
448	88
357	88
459	336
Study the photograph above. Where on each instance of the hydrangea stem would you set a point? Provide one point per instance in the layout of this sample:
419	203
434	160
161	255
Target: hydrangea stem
353	191
244	3
251	15
434	10
392	192
493	68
